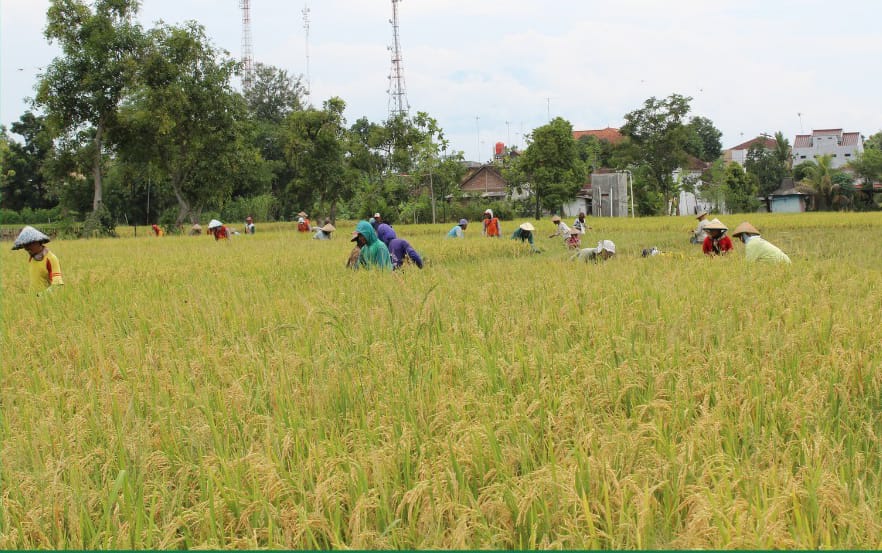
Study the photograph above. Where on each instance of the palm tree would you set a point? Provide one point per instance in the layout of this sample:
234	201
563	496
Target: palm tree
782	153
820	180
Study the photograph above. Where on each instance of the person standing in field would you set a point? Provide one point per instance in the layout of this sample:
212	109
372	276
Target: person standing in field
562	229
43	266
524	233
401	251
491	225
156	230
374	254
303	222
699	234
716	242
249	225
605	249
756	248
218	230
324	233
581	224
458	231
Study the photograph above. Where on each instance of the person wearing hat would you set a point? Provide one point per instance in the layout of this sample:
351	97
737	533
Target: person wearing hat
43	267
400	250
756	248
716	242
581	224
604	250
491	225
699	234
562	229
303	222
249	225
524	233
218	230
457	230
324	233
374	254
196	229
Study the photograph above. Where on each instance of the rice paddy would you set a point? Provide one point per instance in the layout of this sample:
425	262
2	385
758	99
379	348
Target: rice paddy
183	393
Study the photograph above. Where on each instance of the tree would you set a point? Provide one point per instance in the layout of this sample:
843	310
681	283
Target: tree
740	189
314	142
867	166
820	179
552	166
783	153
24	183
658	132
704	139
874	142
765	165
273	94
84	87
187	122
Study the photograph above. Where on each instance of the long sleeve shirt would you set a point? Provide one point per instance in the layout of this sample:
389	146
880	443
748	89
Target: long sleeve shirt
399	249
758	249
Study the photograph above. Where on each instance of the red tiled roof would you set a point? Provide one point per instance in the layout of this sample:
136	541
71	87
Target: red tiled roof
826	131
769	143
850	138
802	141
611	135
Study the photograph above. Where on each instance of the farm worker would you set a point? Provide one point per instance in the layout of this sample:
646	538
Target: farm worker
249	225
604	250
217	229
374	254
303	222
562	229
581	224
324	233
756	248
574	241
457	230
491	225
716	242
699	234
352	261
156	230
376	220
43	266
196	229
400	250
386	233
524	233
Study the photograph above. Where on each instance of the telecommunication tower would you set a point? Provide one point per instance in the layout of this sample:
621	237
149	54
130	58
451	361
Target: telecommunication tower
247	53
398	104
305	13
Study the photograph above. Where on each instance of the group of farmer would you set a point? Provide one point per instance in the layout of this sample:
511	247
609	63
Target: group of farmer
378	246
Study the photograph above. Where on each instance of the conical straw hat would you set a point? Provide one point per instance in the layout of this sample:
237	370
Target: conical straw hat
329	228
527	226
29	235
745	228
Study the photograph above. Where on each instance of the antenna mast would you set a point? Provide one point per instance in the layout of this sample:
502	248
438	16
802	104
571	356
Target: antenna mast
247	54
398	104
305	13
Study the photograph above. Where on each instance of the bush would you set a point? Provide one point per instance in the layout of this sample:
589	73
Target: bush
264	207
9	217
99	223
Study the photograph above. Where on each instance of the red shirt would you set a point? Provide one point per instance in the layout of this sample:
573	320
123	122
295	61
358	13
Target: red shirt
724	244
221	232
491	226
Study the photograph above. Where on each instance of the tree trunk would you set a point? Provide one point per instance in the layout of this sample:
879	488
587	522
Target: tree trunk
183	205
432	192
333	213
537	205
97	198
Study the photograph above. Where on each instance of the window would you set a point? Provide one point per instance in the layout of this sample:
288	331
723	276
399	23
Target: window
834	155
847	155
801	157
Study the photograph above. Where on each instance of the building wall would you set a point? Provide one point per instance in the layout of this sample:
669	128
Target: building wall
827	144
788	204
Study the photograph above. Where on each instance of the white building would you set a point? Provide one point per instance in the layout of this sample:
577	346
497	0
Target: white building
843	146
738	154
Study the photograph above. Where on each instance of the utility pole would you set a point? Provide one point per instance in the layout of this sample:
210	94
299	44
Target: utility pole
305	13
398	104
247	54
478	138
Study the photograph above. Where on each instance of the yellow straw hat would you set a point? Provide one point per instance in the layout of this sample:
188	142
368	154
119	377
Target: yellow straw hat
745	228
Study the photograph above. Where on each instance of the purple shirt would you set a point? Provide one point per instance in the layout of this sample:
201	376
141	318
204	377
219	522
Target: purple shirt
399	248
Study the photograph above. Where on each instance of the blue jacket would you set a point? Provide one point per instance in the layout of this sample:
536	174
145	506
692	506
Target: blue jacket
374	254
385	233
399	248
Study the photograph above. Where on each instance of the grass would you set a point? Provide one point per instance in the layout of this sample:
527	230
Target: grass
185	393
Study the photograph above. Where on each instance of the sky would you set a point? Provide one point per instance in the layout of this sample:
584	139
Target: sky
491	71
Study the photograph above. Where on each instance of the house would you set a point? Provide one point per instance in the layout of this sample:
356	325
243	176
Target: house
609	134
610	194
738	154
484	181
842	146
787	199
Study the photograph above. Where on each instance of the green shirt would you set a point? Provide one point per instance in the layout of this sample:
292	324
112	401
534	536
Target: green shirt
758	249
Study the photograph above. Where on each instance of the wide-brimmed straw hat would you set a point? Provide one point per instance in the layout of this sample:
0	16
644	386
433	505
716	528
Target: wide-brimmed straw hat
354	236
29	235
555	219
302	214
745	228
328	228
701	214
527	226
607	245
196	226
214	223
715	224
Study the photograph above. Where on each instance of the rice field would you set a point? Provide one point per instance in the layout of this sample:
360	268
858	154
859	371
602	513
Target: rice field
183	393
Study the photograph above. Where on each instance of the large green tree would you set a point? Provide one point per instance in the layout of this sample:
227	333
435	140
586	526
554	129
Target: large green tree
820	179
660	136
740	189
553	171
187	123
101	45
24	182
704	139
766	166
867	166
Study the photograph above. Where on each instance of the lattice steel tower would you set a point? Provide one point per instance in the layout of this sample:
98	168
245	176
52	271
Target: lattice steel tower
247	53
397	91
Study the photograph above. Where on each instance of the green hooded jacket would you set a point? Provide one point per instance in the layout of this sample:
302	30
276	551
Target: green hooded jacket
374	254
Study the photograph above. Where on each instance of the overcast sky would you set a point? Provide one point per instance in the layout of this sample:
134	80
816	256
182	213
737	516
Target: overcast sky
752	66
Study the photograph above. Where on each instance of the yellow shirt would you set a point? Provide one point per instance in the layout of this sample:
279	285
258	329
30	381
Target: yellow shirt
45	273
